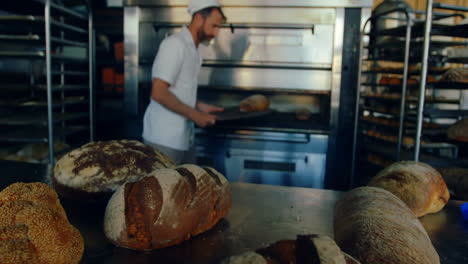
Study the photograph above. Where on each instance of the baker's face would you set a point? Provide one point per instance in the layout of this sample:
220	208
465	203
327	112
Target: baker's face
210	27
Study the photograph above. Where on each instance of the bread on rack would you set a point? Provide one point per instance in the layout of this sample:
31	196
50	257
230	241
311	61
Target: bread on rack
375	226
254	103
455	75
314	249
167	207
417	184
34	227
459	130
99	168
457	181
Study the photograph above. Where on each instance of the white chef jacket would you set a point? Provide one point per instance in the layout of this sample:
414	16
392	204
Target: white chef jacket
178	62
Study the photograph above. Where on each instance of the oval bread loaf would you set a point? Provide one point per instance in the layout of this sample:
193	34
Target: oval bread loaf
166	207
99	168
417	184
34	227
254	103
374	226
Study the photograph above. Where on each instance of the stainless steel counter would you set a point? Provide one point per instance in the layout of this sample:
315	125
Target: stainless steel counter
260	214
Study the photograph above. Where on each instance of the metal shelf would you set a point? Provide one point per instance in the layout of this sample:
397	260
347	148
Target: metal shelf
38	118
449	85
418	30
28	102
411	99
28	24
41	55
32	135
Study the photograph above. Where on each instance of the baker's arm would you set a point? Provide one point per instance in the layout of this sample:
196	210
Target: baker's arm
161	94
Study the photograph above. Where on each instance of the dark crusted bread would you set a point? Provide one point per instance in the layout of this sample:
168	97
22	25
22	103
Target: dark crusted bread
417	184
99	168
306	249
166	207
455	75
374	226
34	227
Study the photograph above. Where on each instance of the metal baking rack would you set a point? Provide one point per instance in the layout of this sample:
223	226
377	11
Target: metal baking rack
52	43
404	44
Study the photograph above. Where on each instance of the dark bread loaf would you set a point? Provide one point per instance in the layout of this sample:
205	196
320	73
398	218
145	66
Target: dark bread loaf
254	103
99	168
307	249
417	184
459	131
166	207
374	226
34	227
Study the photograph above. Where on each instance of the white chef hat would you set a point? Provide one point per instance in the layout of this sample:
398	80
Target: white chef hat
197	5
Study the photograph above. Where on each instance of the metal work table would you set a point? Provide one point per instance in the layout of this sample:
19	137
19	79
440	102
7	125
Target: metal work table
260	214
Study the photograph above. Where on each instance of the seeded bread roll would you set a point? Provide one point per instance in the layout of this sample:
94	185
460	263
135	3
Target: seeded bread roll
417	184
98	168
459	130
166	207
310	249
374	226
34	227
254	103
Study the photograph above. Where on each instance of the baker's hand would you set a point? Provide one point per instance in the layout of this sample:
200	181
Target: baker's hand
204	119
208	108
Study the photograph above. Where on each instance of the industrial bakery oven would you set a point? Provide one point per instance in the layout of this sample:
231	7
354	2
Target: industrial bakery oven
300	54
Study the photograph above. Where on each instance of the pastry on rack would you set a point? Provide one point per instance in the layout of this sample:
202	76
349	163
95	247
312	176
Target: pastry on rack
459	131
97	169
34	227
455	75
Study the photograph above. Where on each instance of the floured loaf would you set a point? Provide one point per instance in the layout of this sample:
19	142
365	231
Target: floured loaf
99	168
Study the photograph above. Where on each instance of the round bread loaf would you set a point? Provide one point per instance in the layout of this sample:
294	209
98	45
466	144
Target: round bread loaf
34	227
99	168
417	184
254	103
313	249
455	75
166	207
374	226
459	130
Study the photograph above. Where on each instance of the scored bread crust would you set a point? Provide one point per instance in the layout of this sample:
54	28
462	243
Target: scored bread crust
374	226
417	184
101	167
254	103
166	207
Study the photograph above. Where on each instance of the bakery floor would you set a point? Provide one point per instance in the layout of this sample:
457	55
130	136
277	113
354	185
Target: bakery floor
260	215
